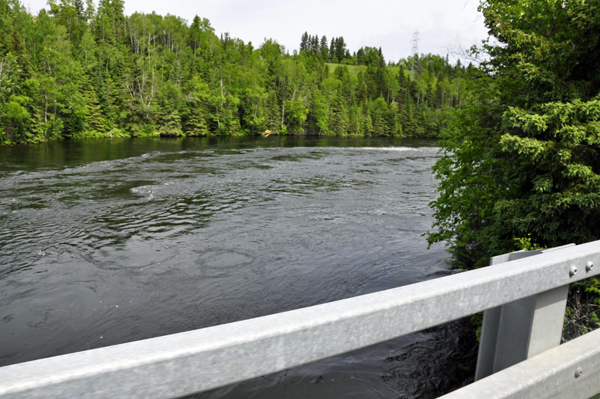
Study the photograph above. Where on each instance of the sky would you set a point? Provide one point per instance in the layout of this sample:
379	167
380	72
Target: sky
442	24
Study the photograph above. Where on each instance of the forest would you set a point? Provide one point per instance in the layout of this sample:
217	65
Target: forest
76	70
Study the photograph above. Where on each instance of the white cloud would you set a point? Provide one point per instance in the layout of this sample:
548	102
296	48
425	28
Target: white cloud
377	23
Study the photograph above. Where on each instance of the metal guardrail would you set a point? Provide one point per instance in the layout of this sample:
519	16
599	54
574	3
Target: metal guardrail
200	360
568	371
521	329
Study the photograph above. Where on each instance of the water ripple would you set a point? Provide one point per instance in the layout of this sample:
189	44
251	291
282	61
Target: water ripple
170	236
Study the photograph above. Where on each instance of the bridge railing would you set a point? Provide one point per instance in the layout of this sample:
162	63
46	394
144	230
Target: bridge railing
185	363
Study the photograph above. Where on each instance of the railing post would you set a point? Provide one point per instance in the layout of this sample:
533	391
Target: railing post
518	330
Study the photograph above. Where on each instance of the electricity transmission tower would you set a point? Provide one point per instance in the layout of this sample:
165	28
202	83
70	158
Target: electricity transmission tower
415	49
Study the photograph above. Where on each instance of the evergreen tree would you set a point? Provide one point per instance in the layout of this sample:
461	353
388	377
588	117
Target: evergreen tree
18	49
340	48
169	123
195	36
273	112
407	117
367	126
4	46
315	49
354	120
360	56
304	42
324	49
332	52
94	119
78	5
339	117
380	117
195	122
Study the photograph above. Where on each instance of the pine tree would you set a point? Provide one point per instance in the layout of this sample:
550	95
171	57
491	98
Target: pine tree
407	117
18	49
319	113
169	123
4	46
339	116
315	45
78	5
324	49
393	120
360	56
195	122
94	119
332	53
379	112
340	48
304	42
367	126
195	36
354	120
273	113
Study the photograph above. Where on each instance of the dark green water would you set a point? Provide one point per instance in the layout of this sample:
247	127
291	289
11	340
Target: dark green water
110	241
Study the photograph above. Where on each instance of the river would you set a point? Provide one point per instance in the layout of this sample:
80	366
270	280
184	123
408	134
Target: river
109	241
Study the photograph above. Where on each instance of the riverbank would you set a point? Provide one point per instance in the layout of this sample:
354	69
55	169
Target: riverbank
120	133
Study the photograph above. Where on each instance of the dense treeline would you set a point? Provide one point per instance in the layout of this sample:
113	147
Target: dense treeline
75	70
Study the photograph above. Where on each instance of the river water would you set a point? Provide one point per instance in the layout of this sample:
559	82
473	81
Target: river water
110	241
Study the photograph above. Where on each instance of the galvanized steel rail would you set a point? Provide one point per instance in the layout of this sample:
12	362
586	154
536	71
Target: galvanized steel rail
185	363
568	371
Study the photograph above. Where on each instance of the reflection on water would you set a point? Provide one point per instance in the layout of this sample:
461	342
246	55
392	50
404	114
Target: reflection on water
110	241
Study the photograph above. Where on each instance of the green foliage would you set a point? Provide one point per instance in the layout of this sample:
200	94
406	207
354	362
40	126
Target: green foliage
522	154
525	243
296	114
84	72
477	321
583	309
194	121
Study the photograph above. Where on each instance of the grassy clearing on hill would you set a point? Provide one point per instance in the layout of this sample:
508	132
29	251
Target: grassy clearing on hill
355	69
